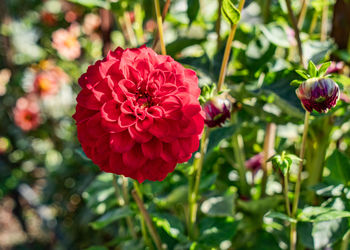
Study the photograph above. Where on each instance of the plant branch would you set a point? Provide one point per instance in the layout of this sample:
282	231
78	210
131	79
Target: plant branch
193	196
296	31
324	22
160	26
293	233
147	219
269	144
165	11
218	26
230	38
302	14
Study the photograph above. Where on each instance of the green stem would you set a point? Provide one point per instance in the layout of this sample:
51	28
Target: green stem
313	22
218	26
345	241
145	219
296	31
138	23
266	12
302	14
160	26
193	196
286	181
269	144
298	183
124	202
164	12
228	50
238	151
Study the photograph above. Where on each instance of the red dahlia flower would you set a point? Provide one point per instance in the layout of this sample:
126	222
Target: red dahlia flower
138	114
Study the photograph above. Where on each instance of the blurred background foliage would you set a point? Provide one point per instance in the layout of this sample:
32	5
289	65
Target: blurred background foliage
53	197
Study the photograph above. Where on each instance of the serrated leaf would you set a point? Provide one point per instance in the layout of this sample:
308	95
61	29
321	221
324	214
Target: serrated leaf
323	69
302	73
230	12
111	216
311	68
296	83
277	215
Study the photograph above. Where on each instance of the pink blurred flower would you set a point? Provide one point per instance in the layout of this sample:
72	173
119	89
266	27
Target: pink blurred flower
150	25
336	67
65	41
291	36
254	163
91	23
27	113
5	75
48	18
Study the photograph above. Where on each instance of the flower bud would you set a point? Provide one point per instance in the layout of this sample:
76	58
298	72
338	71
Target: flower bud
320	94
255	163
217	110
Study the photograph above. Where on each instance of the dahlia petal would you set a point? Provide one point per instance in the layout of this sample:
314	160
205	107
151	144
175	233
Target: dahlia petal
87	100
82	114
94	126
170	151
102	91
159	128
127	107
152	149
128	87
111	127
126	120
134	157
155	112
110	111
139	136
121	142
91	77
145	124
116	164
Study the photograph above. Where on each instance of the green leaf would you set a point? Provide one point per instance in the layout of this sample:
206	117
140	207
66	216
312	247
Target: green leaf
276	34
218	134
296	83
323	69
302	73
281	216
220	206
328	190
317	214
261	206
111	216
311	68
179	44
178	195
339	166
214	230
317	235
171	225
92	3
192	9
230	12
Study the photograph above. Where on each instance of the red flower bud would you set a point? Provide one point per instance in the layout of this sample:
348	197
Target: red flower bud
320	94
217	110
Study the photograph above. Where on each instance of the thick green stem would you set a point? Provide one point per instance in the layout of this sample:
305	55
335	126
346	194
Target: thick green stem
296	31
286	186
228	50
164	12
193	196
293	233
